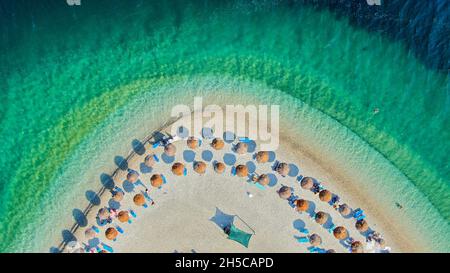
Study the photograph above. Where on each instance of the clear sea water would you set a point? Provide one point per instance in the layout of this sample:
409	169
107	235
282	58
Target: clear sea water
79	83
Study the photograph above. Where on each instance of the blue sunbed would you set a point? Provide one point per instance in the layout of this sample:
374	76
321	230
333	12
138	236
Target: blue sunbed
155	145
199	142
305	231
259	186
164	179
245	139
330	230
108	248
233	171
119	229
95	229
299	178
156	158
133	213
185	172
303	239
145	205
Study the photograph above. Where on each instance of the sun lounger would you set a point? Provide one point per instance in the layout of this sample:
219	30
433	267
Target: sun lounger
245	139
185	172
95	229
330	230
313	249
259	186
305	231
155	145
156	158
321	250
302	239
119	229
133	213
361	217
164	179
199	142
233	171
145	205
107	248
357	212
299	178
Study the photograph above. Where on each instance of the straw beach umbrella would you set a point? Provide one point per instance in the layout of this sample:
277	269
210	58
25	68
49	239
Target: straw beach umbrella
111	233
263	179
219	167
284	192
307	183
241	148
123	216
132	177
192	143
170	150
89	233
218	144
178	168
315	240
340	233
117	196
361	225
283	169
345	210
321	217
139	199
149	161
357	247
241	170
200	167
262	157
103	214
325	195
156	180
301	205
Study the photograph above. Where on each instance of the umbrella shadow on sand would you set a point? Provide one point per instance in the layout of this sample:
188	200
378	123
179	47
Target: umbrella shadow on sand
138	147
222	219
121	162
79	217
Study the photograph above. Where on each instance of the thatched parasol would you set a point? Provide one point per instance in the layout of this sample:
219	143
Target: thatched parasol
123	216
219	167
218	144
340	233
325	195
132	177
284	192
149	161
170	150
178	169
111	233
362	225
139	199
345	210
192	143
241	170
103	214
357	247
283	169
200	167
307	183
302	205
241	148
156	180
117	196
263	179
262	157
315	240
321	217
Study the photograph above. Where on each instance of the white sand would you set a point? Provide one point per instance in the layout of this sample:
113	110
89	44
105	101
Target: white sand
180	219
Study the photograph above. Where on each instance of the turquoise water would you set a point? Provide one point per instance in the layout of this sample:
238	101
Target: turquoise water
70	76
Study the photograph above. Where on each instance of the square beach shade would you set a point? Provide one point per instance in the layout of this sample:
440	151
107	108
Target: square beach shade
239	236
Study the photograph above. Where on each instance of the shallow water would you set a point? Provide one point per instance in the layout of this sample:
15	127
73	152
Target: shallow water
70	78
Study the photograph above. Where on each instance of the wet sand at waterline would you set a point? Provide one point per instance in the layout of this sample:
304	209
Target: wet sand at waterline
180	219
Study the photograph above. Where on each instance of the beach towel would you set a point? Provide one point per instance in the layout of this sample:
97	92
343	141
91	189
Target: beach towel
239	236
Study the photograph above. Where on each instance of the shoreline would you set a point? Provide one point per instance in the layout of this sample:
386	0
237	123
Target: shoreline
398	245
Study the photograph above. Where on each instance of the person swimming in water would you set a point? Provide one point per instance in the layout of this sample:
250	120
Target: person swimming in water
398	205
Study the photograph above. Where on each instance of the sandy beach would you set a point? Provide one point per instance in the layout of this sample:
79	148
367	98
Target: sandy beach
184	216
